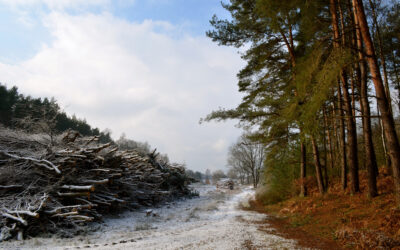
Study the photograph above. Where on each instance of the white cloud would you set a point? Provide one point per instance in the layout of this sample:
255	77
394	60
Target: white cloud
134	78
219	145
55	4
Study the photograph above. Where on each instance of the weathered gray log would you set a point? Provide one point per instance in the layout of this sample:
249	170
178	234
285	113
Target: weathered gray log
65	214
10	187
15	218
73	207
78	188
20	234
73	194
105	181
80	217
29	213
44	163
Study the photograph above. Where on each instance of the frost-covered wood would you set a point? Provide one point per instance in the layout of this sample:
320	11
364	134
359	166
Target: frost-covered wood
74	181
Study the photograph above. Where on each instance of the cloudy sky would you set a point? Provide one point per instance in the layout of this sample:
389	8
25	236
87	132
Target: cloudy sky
142	67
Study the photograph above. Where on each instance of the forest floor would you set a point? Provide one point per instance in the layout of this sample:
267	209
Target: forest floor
339	220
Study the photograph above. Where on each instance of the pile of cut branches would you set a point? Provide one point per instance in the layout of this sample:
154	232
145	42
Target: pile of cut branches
51	188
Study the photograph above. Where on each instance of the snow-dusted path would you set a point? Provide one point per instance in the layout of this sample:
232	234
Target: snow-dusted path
212	221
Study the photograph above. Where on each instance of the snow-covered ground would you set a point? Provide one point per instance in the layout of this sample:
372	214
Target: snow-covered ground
212	221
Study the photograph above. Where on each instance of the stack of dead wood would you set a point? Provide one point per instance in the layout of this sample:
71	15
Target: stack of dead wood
45	189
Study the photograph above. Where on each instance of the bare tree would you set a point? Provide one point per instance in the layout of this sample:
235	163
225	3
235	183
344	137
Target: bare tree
43	120
217	175
247	157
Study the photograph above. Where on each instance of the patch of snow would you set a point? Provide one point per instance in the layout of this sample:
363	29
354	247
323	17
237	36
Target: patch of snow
212	221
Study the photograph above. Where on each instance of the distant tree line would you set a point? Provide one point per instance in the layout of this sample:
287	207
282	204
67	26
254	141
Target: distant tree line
196	175
208	177
129	144
41	115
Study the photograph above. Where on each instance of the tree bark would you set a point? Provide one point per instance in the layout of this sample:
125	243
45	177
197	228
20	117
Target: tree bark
351	138
385	78
381	55
350	124
393	146
342	142
396	73
329	140
317	163
370	158
303	170
325	166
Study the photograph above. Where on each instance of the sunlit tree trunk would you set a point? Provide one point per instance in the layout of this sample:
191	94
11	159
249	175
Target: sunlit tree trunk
370	158
381	55
317	163
350	124
393	146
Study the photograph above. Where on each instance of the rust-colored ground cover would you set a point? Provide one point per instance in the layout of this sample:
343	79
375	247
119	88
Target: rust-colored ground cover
339	220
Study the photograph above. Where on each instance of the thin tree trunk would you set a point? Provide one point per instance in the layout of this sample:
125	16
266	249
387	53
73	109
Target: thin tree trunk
342	132
350	124
290	46
328	137
381	56
342	141
351	138
388	162
353	42
303	170
353	98
393	146
396	73
317	163
370	158
335	133
385	79
326	177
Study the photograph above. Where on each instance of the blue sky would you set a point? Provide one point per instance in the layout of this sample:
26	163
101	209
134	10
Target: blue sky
140	67
23	32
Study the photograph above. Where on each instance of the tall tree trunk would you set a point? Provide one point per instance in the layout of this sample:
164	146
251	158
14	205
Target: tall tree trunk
396	73
370	158
290	46
317	163
326	177
381	55
385	76
393	146
353	98
351	138
329	140
342	141
350	124
388	161
303	170
335	132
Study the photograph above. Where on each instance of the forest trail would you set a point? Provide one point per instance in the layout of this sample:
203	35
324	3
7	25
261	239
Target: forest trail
212	221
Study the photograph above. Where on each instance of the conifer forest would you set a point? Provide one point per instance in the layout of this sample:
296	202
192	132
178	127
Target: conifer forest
280	119
321	93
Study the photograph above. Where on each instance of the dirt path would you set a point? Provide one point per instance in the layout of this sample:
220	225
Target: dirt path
212	221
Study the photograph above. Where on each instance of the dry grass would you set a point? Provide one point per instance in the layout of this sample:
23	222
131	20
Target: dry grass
353	221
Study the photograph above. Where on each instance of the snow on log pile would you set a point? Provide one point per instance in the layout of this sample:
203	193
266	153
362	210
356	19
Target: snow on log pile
61	188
